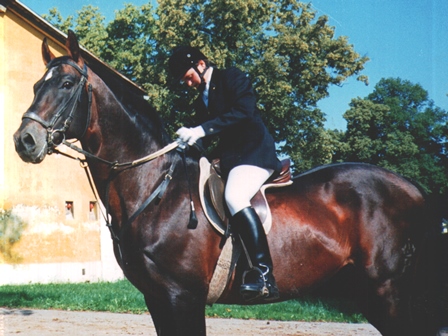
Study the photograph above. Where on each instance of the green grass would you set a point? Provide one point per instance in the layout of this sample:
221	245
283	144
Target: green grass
118	297
122	297
308	309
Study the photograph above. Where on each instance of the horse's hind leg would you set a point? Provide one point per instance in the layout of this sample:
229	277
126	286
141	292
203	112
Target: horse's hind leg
387	306
385	310
176	318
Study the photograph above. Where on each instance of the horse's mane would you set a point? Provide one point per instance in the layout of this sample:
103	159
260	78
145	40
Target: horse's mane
146	116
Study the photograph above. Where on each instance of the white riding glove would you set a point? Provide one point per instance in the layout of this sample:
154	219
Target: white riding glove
190	135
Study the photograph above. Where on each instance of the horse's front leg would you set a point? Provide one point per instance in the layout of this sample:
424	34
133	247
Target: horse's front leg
177	315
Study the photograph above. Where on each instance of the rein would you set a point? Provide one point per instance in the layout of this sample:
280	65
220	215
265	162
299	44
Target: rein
114	166
117	165
157	194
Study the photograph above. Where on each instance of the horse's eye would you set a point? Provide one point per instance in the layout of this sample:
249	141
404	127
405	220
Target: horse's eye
67	85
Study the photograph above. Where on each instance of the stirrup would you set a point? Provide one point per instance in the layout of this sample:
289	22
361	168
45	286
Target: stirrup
259	288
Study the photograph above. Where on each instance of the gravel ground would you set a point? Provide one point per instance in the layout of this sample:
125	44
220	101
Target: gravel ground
67	323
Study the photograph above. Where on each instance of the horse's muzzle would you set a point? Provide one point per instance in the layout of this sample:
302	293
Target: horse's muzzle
29	146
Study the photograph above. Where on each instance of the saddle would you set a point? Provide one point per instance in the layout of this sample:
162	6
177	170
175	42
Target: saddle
211	192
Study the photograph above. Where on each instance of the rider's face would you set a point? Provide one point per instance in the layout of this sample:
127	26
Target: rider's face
191	77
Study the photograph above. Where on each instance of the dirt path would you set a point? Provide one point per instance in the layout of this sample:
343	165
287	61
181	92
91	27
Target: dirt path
56	322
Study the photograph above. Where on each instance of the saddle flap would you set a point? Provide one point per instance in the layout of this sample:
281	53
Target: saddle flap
204	194
215	188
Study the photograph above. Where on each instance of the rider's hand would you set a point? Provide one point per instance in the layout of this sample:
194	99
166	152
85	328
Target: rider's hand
190	135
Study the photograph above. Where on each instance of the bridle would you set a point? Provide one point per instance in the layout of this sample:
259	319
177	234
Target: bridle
74	99
55	136
53	140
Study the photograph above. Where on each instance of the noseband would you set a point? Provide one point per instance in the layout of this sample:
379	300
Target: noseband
53	139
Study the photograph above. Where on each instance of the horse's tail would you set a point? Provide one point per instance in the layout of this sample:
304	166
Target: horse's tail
439	206
429	291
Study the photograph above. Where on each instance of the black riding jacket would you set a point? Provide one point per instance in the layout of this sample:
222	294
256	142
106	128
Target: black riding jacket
232	113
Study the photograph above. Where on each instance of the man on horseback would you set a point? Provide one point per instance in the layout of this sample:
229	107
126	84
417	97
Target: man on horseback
227	106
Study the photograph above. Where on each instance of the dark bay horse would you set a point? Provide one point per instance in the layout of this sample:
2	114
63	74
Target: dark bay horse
330	217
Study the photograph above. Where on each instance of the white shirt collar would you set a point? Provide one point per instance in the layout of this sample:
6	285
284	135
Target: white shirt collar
207	77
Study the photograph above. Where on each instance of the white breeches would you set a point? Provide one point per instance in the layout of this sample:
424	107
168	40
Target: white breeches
242	184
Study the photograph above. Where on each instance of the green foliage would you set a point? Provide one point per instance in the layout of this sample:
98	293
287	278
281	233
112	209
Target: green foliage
129	48
122	297
55	18
11	229
88	24
291	54
90	29
398	127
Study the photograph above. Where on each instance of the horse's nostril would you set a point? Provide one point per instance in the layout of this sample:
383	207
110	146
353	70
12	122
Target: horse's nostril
28	140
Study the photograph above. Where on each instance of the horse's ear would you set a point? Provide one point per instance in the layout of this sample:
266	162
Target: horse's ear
72	47
47	55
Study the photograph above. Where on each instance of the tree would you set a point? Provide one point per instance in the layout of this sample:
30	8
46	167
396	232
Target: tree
398	127
291	55
90	29
88	24
56	19
130	46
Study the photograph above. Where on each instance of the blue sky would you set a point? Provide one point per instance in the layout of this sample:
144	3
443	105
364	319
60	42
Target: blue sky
402	38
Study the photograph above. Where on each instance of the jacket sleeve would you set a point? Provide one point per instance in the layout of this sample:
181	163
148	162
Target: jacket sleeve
241	98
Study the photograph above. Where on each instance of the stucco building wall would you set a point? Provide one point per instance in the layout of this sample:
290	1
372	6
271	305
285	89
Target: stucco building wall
40	240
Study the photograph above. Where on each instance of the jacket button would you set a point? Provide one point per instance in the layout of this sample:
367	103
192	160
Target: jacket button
210	130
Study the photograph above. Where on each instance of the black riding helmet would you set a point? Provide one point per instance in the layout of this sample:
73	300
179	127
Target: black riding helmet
183	59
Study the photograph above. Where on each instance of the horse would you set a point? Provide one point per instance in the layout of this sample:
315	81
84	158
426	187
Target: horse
331	217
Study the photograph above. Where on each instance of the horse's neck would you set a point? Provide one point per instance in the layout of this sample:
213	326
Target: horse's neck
117	135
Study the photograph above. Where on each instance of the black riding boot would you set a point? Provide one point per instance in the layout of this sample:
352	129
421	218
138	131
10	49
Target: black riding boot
258	282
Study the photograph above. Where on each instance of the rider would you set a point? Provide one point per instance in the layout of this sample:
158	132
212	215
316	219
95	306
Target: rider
227	106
